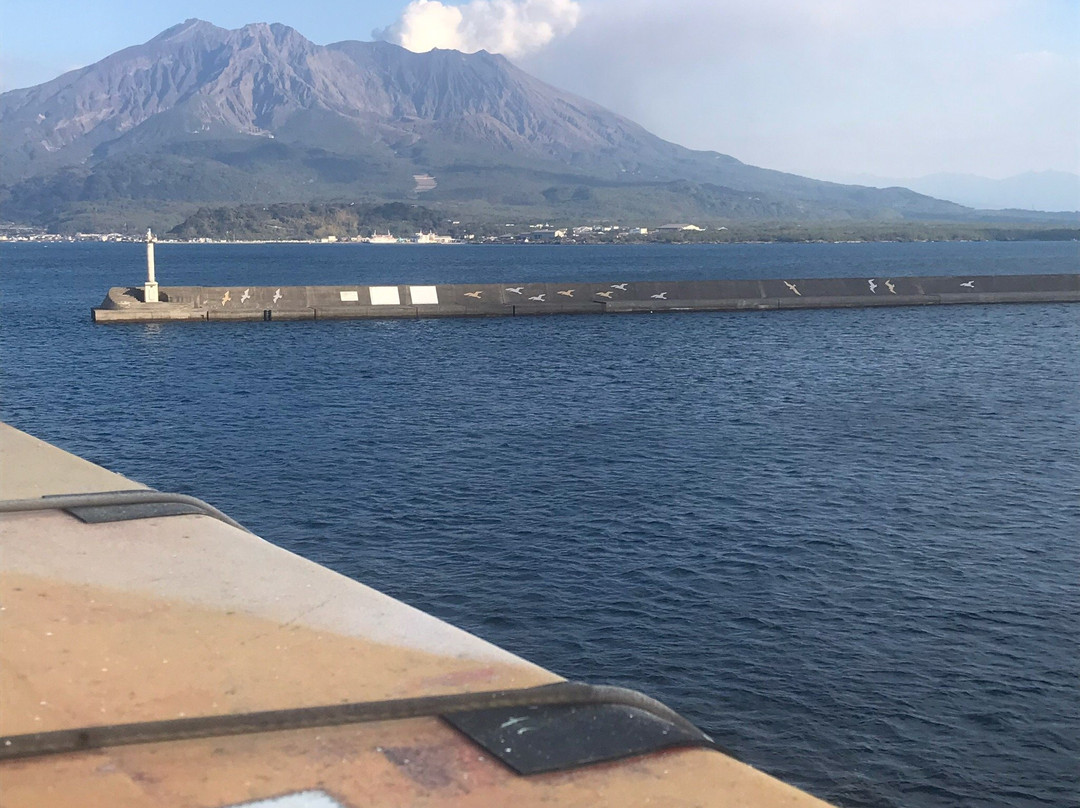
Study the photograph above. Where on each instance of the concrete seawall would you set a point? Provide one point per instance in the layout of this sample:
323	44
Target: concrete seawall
266	303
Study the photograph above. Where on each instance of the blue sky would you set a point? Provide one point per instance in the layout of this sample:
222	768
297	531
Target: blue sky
835	89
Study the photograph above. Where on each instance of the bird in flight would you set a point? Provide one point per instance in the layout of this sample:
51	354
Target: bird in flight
226	298
890	287
793	288
515	289
566	293
873	285
475	294
538	297
246	296
661	296
278	295
969	284
604	294
620	286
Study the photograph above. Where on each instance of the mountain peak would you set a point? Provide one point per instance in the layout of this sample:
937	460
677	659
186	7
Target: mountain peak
273	31
202	113
188	28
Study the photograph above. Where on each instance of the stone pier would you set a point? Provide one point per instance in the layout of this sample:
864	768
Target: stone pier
362	301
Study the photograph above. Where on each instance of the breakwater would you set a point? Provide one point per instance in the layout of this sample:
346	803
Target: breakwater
266	303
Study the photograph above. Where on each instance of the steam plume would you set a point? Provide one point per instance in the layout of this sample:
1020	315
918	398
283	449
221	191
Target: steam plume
510	27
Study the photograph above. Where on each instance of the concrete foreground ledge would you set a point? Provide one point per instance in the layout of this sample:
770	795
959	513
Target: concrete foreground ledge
134	623
265	303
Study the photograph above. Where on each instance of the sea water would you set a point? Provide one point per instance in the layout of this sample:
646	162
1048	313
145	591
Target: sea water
843	542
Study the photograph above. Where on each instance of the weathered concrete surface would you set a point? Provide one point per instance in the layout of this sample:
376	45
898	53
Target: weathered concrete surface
33	468
126	304
265	303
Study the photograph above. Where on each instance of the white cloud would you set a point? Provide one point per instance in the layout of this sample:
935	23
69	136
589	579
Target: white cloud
837	86
510	27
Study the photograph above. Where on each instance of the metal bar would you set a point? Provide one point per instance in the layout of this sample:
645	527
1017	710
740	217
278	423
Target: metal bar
137	497
65	741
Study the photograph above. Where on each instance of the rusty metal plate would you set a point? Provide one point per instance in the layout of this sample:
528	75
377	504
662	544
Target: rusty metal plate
533	740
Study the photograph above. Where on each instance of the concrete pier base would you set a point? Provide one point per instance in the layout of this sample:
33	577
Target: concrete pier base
266	303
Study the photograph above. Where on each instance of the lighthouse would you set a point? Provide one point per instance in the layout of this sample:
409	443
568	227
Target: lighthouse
150	290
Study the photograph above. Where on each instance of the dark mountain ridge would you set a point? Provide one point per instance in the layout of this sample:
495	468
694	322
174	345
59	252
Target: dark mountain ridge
204	115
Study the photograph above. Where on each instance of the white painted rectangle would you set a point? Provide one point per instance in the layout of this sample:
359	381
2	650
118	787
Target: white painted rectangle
298	799
424	295
350	296
384	296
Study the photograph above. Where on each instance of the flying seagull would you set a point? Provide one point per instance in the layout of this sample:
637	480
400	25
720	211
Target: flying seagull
661	296
969	284
873	285
620	286
793	288
246	296
475	294
604	294
278	295
226	298
538	297
515	289
566	293
890	287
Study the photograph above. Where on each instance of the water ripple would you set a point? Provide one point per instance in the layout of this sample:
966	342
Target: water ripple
844	542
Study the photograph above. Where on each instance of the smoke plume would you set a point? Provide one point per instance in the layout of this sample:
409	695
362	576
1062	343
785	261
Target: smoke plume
510	27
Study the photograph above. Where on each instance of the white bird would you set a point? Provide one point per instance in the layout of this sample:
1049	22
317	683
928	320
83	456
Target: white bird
890	287
661	296
620	286
515	289
604	294
969	284
246	296
538	297
277	295
793	288
226	297
873	286
475	294
566	293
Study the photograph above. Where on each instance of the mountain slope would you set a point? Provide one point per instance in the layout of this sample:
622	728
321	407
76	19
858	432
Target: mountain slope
200	114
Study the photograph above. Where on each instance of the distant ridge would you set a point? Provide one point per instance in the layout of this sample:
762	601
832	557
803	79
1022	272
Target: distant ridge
1032	190
203	115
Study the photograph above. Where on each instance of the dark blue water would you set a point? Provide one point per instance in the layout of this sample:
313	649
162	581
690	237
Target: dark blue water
844	542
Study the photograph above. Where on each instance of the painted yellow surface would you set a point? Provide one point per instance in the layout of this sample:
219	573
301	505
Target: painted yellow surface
76	655
419	762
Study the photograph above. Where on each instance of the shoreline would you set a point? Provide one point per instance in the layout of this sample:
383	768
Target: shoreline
526	243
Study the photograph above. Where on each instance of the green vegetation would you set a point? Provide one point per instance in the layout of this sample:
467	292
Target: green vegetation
275	191
347	220
306	222
870	231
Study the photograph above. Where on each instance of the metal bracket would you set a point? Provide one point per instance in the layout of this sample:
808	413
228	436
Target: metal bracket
575	724
113	506
548	738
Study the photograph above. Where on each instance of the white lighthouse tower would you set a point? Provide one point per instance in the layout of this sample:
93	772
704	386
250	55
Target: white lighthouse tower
150	290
